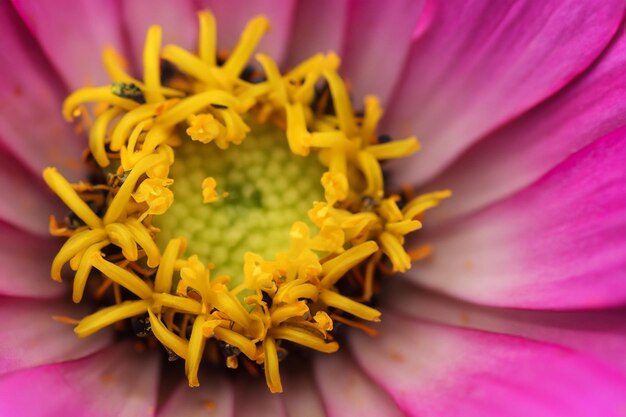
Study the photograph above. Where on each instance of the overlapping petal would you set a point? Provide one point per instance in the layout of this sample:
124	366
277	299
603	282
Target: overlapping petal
600	333
378	41
27	203
560	243
176	18
111	383
264	405
301	396
346	390
478	64
522	151
232	17
432	370
31	337
215	397
31	127
26	261
73	35
318	26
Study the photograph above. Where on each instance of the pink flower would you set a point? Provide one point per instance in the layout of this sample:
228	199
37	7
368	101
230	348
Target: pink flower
520	107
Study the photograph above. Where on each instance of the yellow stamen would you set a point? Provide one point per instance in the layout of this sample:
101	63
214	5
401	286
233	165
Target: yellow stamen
196	348
336	268
304	338
272	376
247	43
152	64
122	276
208	37
333	299
64	190
175	343
109	315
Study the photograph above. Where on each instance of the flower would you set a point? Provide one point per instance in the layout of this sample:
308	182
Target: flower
519	111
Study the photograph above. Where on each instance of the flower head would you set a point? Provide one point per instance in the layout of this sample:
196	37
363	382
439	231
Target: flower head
226	263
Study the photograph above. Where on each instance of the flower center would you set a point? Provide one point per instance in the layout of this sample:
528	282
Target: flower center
204	217
257	191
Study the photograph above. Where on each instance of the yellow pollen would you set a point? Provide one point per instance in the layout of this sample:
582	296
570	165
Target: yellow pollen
173	287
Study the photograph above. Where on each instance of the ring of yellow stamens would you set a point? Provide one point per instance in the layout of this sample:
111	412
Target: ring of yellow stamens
291	297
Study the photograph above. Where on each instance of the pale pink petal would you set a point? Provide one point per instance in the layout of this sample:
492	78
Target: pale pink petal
214	398
479	64
73	35
26	261
233	15
378	41
27	203
253	398
31	126
525	149
560	243
441	371
176	18
116	382
318	26
301	397
29	336
347	391
598	333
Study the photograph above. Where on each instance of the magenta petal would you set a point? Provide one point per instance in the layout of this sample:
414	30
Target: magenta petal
560	243
441	371
318	26
31	126
29	336
26	203
213	398
111	383
347	391
176	18
26	261
597	333
525	149
233	15
301	397
73	35
253	398
479	64
378	40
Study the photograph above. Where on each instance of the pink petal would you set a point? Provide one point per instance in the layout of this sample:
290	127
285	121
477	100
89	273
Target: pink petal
213	398
319	26
598	333
114	382
73	35
233	15
558	244
253	398
378	41
479	64
177	19
441	371
29	336
31	127
525	149
27	203
301	397
346	391
26	261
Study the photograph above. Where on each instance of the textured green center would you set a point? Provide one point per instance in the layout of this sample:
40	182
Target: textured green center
269	188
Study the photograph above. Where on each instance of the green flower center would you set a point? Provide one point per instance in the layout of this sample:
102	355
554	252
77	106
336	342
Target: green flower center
262	189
